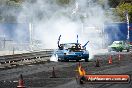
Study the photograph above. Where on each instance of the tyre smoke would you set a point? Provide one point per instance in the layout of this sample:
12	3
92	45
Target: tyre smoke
50	19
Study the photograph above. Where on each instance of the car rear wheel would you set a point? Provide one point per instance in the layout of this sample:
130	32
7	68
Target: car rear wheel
59	59
77	60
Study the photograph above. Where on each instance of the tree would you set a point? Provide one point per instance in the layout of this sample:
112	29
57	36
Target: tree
63	1
17	1
114	3
122	8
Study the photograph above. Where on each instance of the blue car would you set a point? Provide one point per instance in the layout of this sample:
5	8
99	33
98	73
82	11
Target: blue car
72	51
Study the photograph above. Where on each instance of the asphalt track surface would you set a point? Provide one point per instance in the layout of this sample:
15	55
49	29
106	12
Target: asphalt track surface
39	75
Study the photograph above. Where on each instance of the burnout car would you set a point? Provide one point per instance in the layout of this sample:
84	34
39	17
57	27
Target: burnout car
119	46
72	51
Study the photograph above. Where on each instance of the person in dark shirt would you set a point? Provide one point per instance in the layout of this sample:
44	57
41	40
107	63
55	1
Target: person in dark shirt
60	47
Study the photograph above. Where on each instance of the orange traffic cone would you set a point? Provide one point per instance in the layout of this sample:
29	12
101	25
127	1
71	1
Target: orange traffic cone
53	73
119	57
110	60
21	82
97	63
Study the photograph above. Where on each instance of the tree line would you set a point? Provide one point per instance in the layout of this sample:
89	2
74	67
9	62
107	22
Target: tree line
8	8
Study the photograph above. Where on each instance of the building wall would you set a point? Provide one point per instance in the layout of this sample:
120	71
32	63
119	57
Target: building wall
14	35
15	31
117	31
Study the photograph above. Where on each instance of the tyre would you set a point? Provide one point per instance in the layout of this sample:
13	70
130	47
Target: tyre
86	60
109	49
77	60
121	50
59	59
128	50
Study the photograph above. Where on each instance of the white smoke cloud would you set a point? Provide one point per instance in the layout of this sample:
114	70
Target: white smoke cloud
84	17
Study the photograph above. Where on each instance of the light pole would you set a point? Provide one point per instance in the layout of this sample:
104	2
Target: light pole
4	41
127	18
30	31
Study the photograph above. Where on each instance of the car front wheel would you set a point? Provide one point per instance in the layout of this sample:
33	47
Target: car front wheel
109	49
86	60
128	50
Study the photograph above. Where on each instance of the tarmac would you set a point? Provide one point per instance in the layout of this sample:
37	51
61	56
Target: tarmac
40	75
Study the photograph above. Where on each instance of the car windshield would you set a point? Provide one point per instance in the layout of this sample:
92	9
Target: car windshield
67	46
72	46
117	42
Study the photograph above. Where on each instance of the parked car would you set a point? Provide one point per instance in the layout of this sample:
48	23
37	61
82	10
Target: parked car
119	46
